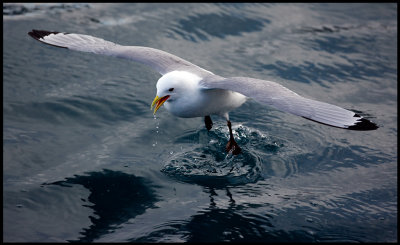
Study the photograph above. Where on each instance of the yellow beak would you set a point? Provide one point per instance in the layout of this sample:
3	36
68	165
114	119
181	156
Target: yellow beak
158	102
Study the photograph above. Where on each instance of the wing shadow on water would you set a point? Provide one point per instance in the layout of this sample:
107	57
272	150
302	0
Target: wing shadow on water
115	197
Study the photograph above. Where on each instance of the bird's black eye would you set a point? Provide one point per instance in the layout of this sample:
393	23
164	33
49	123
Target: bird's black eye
171	89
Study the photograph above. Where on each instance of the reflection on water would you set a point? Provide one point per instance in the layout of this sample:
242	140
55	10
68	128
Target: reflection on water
115	197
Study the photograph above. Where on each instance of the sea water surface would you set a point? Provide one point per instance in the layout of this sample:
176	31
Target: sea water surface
85	160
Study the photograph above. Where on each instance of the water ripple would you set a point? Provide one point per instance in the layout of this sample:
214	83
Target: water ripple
83	109
204	26
31	9
203	160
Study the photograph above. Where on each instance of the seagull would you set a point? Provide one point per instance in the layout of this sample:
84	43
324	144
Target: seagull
187	90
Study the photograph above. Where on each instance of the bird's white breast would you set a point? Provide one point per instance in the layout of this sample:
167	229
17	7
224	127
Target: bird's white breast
189	99
205	102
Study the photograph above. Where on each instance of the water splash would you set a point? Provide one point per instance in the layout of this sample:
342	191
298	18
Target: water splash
202	158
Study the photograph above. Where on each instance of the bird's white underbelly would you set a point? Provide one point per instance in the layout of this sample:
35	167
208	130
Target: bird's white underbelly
206	102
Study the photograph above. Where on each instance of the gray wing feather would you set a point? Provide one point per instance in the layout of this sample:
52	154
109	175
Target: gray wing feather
159	60
282	98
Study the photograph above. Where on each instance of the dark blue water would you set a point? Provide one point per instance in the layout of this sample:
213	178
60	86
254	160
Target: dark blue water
85	160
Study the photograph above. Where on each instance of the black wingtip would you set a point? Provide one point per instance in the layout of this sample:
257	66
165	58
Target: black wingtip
363	125
37	34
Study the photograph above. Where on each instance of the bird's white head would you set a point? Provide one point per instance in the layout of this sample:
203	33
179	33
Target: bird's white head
173	86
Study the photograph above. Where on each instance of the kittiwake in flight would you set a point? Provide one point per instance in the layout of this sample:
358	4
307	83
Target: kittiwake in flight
187	90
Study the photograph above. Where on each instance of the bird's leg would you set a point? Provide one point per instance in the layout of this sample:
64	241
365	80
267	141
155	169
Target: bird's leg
232	146
208	122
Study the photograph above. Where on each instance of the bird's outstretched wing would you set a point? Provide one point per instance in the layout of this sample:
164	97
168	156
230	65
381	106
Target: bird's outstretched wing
159	60
267	92
282	98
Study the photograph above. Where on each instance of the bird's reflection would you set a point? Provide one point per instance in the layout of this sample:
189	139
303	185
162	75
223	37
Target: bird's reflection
213	193
115	197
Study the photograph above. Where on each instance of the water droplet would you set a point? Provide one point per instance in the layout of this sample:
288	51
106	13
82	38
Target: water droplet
19	206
